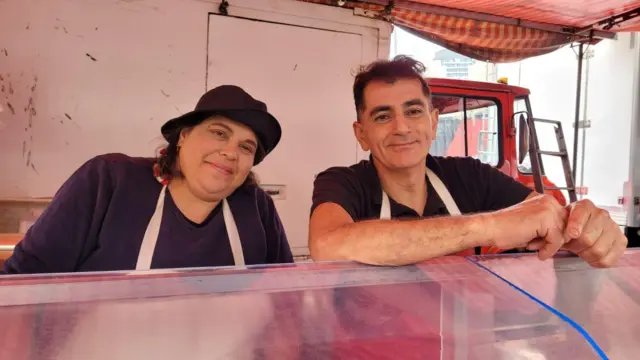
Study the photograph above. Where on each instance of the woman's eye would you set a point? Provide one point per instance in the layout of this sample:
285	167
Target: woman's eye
248	149
218	133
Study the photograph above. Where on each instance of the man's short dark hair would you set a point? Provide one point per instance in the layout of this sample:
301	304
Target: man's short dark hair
401	67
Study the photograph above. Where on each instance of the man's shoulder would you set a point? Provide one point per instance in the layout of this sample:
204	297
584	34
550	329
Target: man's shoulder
354	172
458	165
453	161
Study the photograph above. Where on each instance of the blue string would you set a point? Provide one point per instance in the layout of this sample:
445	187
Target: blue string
556	312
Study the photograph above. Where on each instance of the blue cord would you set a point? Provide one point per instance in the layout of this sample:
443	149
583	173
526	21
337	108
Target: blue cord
556	312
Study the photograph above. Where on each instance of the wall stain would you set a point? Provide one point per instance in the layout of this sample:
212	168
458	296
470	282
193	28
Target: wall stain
10	88
1	78
6	53
91	57
2	88
28	26
13	111
68	116
28	107
24	147
35	83
164	93
34	169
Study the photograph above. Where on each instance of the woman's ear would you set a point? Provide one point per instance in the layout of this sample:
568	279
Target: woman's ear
184	133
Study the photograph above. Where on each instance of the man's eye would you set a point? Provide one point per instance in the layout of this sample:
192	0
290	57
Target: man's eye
382	117
415	112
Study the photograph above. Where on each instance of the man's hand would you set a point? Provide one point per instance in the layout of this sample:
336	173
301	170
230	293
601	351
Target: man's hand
593	235
537	223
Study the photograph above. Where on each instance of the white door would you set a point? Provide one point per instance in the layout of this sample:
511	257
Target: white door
305	75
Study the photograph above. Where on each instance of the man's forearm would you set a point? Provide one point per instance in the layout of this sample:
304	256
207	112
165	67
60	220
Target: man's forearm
401	242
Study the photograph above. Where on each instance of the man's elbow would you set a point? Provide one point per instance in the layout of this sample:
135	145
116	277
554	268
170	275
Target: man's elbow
322	249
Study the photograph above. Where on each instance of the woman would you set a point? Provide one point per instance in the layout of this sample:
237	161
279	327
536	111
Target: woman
196	205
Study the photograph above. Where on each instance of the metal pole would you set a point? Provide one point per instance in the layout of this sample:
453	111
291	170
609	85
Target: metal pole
585	117
632	205
576	123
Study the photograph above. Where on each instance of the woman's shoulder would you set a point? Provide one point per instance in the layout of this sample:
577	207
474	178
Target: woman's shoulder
257	194
119	160
120	166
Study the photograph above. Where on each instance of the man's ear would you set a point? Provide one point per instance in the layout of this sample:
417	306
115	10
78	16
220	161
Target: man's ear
358	131
435	117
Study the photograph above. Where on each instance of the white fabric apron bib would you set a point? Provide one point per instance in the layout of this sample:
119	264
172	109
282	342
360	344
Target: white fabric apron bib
438	186
153	229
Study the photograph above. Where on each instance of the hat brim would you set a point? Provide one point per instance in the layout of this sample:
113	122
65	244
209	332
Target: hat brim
265	126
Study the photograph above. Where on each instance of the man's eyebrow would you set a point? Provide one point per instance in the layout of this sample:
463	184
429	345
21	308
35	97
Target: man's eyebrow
413	102
379	109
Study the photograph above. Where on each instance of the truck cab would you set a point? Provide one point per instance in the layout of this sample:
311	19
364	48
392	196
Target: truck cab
487	121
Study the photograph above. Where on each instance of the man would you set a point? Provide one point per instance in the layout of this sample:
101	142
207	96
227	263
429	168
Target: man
385	211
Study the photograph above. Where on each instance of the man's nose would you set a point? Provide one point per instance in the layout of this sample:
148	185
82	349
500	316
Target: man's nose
401	125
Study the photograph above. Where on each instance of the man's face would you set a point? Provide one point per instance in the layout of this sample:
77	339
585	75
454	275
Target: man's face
396	123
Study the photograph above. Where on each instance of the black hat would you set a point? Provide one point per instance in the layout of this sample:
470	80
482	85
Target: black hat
233	103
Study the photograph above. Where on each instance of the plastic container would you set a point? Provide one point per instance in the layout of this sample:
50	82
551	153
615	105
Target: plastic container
447	309
605	303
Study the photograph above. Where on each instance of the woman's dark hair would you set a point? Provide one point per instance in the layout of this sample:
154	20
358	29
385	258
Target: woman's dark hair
167	159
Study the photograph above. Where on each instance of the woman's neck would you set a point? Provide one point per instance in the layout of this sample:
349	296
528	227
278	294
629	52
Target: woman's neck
406	186
192	207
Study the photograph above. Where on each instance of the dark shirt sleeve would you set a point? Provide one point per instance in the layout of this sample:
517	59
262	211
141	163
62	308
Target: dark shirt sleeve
496	189
340	186
278	249
58	238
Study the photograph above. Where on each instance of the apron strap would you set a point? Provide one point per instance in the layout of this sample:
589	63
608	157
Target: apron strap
148	246
438	186
444	194
232	233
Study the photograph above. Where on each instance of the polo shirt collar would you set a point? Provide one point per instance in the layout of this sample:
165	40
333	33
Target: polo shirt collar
434	204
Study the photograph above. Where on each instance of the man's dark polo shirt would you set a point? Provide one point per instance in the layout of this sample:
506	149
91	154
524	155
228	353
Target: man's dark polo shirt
475	187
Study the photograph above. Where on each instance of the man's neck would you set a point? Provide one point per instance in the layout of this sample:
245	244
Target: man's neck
407	186
192	207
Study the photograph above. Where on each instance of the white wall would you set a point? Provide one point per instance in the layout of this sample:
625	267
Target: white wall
103	75
149	66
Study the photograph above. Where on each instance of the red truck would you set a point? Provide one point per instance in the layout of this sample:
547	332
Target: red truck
492	122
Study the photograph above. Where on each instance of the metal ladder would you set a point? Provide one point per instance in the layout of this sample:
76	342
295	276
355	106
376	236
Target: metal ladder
536	158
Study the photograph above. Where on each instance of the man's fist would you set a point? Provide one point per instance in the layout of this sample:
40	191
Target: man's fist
593	235
537	223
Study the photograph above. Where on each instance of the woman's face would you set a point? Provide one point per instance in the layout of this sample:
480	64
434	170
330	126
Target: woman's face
216	156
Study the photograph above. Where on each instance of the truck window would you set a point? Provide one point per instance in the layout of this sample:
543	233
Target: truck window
478	139
520	105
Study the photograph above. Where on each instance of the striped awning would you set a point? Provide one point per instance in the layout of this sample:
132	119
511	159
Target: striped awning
503	30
